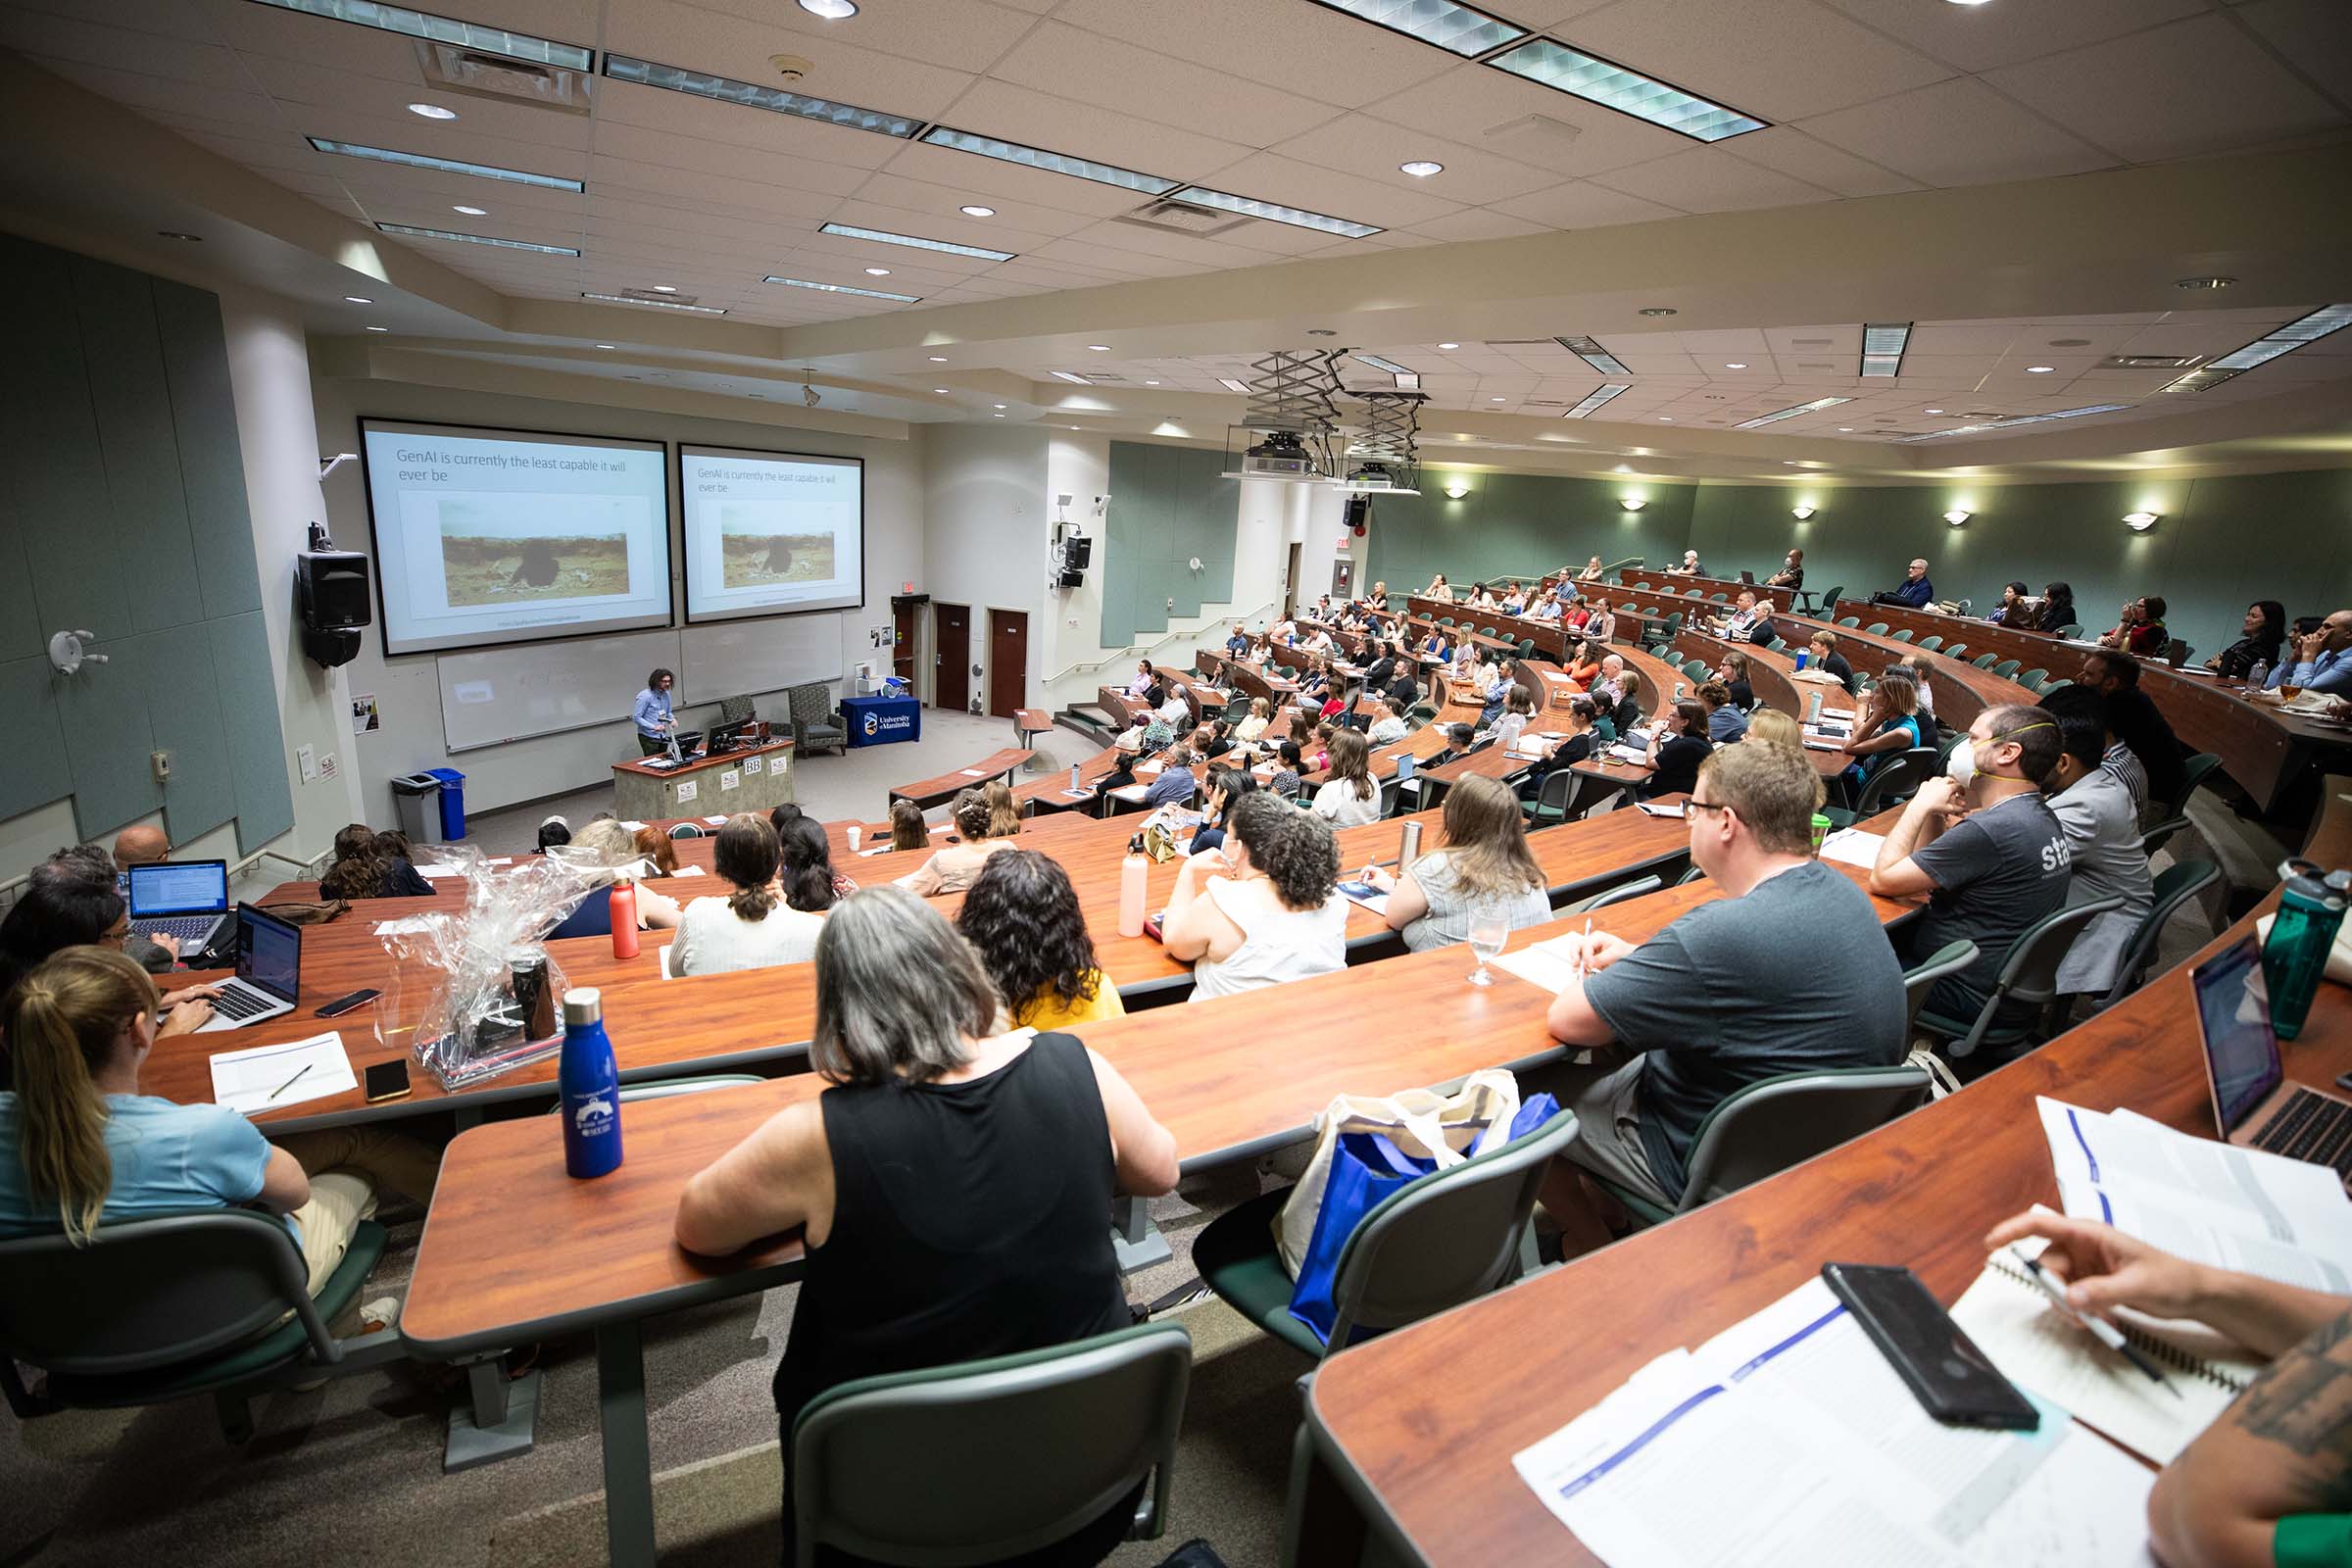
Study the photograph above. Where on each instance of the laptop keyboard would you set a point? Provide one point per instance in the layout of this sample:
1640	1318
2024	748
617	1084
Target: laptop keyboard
178	927
239	1004
2311	1127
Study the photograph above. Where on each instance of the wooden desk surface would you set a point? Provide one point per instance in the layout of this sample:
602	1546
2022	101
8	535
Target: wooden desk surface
1479	1383
695	764
928	792
1634	578
1962	691
603	1247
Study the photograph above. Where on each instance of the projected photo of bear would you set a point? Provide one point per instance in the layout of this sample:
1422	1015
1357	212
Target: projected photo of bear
485	566
753	555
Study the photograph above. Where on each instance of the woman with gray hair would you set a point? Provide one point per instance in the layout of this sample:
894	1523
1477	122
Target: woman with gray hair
951	1186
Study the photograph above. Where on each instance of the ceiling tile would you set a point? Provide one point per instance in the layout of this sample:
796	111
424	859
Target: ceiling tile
1204	255
1298	48
1957	132
1046	119
1008	188
1789	151
2310	34
1581	204
1710	179
1479	106
2194	87
736	46
70	40
700	160
1980	37
1271	177
692	190
1112	74
963	35
630	103
948	202
152	95
1477	222
1375	149
1777	59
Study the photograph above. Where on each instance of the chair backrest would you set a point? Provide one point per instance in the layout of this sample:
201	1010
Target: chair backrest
2070	629
1985	660
1616	895
1390	787
1952	650
1951	959
1877	628
2192	775
2174	886
1929	644
1903	635
2155	838
1849	621
1828	600
2031	679
2029	970
1554	795
2004	668
153	1293
735	710
686	830
811	702
1690	873
1714	599
1768	1126
1443	1240
1900	775
2176	652
1044	1443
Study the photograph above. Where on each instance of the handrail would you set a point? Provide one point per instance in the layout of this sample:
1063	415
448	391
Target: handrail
1147	651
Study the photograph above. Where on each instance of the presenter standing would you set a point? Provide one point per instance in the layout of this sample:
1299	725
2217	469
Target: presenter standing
654	726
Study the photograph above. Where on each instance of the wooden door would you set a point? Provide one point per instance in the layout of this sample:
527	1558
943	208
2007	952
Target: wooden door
901	652
952	655
1007	661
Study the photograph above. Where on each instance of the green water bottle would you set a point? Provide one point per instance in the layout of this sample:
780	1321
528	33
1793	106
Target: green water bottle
2310	909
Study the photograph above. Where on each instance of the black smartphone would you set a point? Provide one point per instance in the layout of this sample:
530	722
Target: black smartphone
1956	1383
387	1080
343	1005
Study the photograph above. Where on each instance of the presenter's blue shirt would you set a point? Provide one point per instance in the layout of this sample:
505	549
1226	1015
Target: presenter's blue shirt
653	712
166	1157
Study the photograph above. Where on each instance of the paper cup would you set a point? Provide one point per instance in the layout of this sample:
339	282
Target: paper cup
856	833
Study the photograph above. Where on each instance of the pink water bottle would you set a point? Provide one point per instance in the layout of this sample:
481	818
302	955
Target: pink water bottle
1132	874
624	918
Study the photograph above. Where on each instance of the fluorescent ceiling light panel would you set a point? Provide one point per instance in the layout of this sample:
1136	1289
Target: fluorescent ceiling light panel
443	30
1602	395
1067	376
1273	211
1408	381
852	231
1012	152
1596	80
1459	30
446	166
1232	385
1776	417
407	232
843	288
2023	418
2288	338
1883	347
621	68
1592	354
658	304
1378	364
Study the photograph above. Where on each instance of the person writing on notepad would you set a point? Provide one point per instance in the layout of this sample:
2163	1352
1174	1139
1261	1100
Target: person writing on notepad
2267	1484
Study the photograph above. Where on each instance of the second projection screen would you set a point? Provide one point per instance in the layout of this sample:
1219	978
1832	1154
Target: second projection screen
769	532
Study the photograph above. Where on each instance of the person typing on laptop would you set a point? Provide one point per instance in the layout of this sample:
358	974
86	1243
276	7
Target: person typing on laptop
144	843
69	901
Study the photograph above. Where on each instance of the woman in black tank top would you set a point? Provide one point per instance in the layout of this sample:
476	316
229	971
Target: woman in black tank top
955	1184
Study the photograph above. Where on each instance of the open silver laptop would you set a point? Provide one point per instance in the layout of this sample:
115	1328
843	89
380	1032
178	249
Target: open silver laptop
269	973
2257	1106
186	900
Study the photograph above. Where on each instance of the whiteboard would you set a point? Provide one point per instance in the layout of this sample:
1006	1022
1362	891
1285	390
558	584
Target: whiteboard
509	694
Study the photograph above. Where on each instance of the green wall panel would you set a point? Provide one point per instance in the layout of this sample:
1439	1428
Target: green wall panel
132	404
1168	507
256	747
1520	524
104	713
21	633
33	765
212	461
184	713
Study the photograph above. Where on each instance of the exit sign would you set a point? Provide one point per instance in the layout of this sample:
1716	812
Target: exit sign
906	587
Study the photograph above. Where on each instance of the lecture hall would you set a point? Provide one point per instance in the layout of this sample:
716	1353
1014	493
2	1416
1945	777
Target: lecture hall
973	782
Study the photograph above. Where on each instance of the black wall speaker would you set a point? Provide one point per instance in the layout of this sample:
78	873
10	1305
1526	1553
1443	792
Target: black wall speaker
1359	513
332	603
1078	553
1073	579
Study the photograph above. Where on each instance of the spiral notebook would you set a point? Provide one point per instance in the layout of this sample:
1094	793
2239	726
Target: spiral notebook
2038	1345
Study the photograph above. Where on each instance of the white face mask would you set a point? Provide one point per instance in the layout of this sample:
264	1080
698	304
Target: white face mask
1961	765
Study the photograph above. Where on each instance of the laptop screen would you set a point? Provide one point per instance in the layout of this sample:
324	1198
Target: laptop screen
269	953
178	887
2242	1052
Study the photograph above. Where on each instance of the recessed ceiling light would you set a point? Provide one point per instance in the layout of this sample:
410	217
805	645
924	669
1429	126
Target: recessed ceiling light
1421	169
604	345
1736	367
1151	383
1275	212
877	271
1013	152
1778	415
471	211
1665	418
1659	310
1000	405
666	288
357	299
1883	344
2039	370
380	329
1598	82
1449	345
1931	411
411	231
621	68
914	242
1596	398
1230	384
446	166
2204	282
654	304
996	415
942	391
1073	427
1099	348
1592	354
1457	29
469	35
939	359
1497	399
2140	521
2023	419
830	10
1846	430
843	288
977	211
432	112
1966	2
1072	376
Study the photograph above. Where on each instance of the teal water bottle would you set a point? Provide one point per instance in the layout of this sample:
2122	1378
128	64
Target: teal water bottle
589	1083
2296	957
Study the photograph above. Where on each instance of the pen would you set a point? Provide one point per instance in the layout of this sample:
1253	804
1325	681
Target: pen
2104	1332
291	1082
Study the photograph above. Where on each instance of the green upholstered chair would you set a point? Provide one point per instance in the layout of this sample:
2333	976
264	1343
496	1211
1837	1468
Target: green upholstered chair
2025	987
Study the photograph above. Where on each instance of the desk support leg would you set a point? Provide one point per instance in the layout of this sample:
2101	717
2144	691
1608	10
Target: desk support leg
1134	1238
628	1455
497	1421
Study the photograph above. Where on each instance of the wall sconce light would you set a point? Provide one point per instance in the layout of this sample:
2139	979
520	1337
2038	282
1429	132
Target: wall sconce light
1800	513
1956	516
1633	503
1455	490
2140	521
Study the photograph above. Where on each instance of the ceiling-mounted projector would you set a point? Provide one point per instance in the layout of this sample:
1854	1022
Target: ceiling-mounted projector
1372	476
1280	456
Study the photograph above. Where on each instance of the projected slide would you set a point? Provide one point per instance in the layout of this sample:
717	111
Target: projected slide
768	532
501	536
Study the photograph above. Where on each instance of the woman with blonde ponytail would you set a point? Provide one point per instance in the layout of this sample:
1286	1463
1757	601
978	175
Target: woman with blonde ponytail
80	1146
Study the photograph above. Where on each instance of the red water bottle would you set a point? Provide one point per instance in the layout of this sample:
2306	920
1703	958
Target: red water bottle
624	918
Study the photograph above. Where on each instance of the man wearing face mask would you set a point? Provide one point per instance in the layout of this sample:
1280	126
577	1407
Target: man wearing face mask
1985	848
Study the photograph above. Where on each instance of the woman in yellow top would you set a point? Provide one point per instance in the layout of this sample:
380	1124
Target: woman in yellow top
1022	917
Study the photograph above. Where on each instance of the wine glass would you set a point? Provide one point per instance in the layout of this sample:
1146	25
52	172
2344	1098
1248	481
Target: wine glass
2290	693
1488	933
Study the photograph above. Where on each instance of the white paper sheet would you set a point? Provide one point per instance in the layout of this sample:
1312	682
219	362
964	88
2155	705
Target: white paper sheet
436	869
1551	963
1853	847
273	1077
409	925
716	821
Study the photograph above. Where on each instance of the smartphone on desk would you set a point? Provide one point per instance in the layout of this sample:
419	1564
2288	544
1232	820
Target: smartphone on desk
345	1004
1956	1383
387	1080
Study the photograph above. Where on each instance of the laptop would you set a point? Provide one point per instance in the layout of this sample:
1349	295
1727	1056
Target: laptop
186	900
2256	1105
1749	578
269	973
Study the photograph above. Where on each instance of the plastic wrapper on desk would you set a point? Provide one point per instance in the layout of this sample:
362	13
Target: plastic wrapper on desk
450	998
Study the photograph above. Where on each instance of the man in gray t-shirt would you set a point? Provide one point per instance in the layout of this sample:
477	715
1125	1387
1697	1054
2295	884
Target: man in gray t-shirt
1790	970
1982	844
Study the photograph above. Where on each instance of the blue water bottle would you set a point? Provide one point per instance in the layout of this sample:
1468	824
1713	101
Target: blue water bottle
2310	910
589	1081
